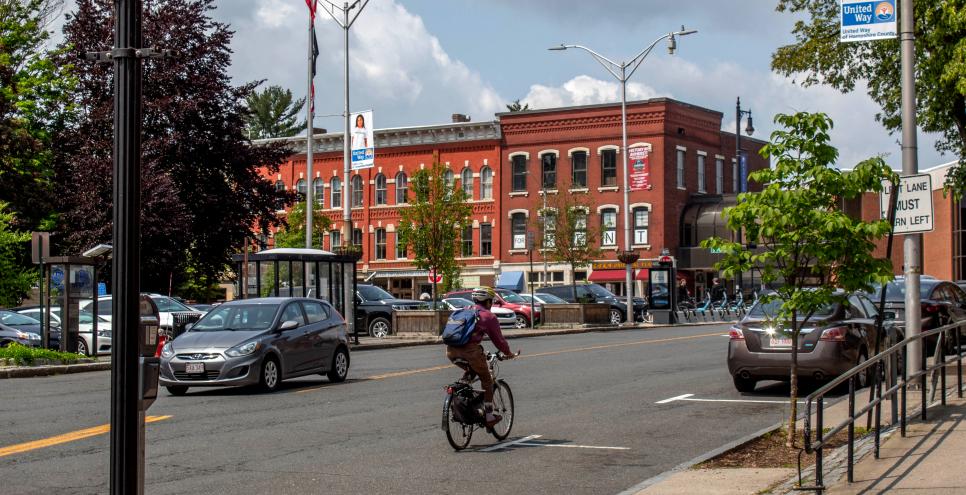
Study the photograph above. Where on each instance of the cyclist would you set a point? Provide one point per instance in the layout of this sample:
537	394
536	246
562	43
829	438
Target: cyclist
718	294
473	354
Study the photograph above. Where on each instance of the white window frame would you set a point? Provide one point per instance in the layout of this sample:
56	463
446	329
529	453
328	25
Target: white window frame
681	156
718	174
702	172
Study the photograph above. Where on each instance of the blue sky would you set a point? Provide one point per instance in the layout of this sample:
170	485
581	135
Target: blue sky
415	62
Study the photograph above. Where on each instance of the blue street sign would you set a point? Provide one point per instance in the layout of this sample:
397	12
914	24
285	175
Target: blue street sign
101	289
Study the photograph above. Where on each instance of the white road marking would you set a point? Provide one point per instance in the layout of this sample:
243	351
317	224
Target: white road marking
689	397
507	444
572	446
672	399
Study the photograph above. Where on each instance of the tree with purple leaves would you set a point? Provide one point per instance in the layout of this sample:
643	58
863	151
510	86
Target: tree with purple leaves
202	192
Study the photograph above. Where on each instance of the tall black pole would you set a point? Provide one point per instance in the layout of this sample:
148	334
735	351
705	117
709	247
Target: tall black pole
127	449
738	171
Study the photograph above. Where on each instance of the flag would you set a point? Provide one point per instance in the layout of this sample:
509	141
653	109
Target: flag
313	5
315	49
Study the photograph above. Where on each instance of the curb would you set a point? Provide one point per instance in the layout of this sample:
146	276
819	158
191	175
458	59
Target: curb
32	371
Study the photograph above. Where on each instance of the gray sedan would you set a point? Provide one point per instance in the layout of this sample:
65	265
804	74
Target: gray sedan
257	341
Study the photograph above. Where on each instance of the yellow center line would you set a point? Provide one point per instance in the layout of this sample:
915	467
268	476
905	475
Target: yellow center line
66	437
398	374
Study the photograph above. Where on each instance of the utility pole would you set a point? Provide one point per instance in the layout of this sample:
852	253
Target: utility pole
912	243
310	125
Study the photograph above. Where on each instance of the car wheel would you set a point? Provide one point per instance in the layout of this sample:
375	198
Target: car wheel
82	347
379	328
521	322
177	390
745	385
271	374
616	317
340	366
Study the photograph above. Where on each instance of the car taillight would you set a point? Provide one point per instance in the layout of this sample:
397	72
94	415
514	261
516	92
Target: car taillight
449	390
835	334
930	308
734	333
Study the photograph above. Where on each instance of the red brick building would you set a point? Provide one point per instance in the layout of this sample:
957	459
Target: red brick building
472	153
692	176
577	150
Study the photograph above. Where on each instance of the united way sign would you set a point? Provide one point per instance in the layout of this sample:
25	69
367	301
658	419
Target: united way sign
864	20
913	206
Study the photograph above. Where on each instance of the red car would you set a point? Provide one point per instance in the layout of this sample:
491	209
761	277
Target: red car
505	299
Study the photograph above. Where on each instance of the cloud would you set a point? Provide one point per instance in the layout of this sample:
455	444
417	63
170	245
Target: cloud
585	90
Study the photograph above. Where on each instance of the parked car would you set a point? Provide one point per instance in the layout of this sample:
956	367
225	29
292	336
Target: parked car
941	303
257	341
514	303
506	317
27	325
171	313
836	338
13	335
595	293
85	328
374	308
542	298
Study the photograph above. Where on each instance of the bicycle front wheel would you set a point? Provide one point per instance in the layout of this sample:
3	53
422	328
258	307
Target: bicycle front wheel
457	434
503	406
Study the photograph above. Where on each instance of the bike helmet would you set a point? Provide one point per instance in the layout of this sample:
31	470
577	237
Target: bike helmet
481	294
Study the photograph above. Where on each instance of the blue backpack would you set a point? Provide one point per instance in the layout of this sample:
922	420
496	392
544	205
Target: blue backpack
460	326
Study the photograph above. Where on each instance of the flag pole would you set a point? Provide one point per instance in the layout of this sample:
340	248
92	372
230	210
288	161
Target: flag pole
309	124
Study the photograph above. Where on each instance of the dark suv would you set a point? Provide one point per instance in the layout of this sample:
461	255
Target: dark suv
594	293
374	307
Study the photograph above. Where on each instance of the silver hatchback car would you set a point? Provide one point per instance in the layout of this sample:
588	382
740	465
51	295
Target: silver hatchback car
257	342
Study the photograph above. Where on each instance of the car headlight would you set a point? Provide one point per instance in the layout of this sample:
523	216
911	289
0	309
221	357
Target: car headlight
33	336
243	349
167	351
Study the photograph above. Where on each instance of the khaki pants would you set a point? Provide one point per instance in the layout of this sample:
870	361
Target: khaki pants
473	354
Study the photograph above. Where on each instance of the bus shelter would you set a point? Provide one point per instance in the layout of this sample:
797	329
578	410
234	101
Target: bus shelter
300	272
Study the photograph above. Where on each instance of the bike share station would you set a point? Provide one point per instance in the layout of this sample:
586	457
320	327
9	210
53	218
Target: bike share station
68	281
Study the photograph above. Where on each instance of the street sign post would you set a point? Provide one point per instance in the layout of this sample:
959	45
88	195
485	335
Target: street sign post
914	209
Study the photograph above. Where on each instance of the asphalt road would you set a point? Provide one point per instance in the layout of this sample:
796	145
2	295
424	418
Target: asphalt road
380	431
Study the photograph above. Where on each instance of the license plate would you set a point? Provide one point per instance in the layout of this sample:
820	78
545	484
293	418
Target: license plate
194	368
780	342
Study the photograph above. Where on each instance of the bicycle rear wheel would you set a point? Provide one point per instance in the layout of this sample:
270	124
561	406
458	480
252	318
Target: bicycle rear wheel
457	434
503	406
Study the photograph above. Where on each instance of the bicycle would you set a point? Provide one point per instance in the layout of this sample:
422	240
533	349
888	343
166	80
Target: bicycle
463	406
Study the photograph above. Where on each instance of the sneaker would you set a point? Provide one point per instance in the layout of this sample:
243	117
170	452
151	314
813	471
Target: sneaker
492	420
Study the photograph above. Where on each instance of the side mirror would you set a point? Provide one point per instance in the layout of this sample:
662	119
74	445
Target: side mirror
188	326
889	315
288	325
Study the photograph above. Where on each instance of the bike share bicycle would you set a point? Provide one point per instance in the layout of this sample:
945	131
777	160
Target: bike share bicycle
463	405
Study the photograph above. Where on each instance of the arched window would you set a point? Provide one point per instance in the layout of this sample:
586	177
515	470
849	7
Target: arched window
578	162
336	186
318	189
380	189
486	183
402	184
449	178
279	185
608	227
518	228
549	167
580	228
301	187
466	180
640	221
356	189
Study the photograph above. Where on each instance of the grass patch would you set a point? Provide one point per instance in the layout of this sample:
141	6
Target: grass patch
20	355
769	451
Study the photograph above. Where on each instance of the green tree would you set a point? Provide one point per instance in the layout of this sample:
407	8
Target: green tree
517	107
34	102
292	234
817	57
432	225
272	113
15	280
816	252
565	235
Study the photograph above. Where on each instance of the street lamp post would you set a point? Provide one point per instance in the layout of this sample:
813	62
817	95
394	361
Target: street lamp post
623	72
742	167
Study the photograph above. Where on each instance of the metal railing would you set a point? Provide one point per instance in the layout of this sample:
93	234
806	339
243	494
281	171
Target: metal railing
897	382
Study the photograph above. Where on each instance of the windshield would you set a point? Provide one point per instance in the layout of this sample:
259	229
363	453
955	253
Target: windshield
550	299
896	290
373	293
168	305
246	317
600	291
11	318
458	302
512	297
770	309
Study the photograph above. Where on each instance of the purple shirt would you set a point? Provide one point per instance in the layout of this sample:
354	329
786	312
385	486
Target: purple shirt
488	325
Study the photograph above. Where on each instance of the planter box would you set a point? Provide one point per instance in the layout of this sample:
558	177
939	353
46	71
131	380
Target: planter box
581	314
426	322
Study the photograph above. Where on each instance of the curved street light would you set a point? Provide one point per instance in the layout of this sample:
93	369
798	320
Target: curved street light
623	72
